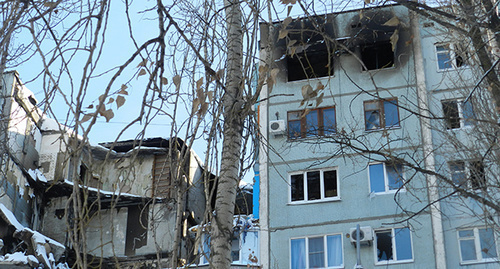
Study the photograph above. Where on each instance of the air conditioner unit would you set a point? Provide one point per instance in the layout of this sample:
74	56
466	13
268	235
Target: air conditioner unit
277	127
366	235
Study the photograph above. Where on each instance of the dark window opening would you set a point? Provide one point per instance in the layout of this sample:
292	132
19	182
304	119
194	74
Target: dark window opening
384	246
32	100
477	175
309	64
309	54
83	173
60	213
137	228
451	114
330	181
313	186
377	56
297	187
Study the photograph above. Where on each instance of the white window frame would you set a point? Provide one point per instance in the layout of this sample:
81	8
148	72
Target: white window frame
386	180
452	52
325	245
477	245
394	247
460	109
322	186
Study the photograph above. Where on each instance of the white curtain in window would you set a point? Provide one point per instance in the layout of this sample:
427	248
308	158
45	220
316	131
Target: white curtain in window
298	254
334	250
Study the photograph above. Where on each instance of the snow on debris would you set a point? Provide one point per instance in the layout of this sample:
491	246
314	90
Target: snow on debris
37	175
244	222
40	243
19	258
10	218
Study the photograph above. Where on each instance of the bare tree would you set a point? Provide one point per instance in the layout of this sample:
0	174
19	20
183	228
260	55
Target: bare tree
188	69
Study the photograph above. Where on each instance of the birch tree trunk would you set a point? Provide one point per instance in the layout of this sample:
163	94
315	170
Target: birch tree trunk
222	222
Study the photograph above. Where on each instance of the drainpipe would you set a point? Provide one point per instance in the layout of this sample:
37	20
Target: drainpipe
263	177
428	148
358	249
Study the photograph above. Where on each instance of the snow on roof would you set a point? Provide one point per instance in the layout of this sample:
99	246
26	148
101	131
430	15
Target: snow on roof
107	193
49	124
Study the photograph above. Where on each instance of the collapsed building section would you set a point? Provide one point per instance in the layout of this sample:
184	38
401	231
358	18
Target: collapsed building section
126	204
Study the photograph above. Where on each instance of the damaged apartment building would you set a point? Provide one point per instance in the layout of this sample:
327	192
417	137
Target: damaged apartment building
129	202
362	102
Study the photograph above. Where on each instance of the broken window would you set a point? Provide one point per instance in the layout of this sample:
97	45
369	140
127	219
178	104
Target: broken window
235	248
377	56
161	176
374	37
314	185
380	114
321	251
393	245
243	246
309	53
477	245
468	175
458	114
385	177
450	56
137	228
319	121
309	64
477	175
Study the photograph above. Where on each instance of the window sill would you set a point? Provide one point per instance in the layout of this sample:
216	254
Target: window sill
310	137
382	129
479	262
466	127
310	79
372	194
393	262
326	200
453	69
378	70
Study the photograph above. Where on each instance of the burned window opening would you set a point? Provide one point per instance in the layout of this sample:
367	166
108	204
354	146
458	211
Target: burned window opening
310	64
377	56
309	53
375	37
